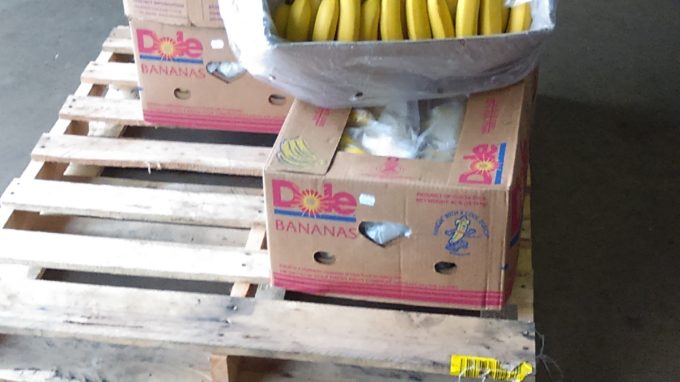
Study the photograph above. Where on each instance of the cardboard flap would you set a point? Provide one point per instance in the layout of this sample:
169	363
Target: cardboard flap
200	13
308	139
489	140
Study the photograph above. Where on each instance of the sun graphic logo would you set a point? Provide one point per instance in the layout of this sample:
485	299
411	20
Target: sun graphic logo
167	48
311	202
486	165
179	49
289	200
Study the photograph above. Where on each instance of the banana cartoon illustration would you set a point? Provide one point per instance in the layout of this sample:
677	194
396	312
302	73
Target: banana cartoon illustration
296	153
462	226
462	230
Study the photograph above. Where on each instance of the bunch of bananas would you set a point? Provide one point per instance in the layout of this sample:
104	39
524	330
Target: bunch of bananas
366	20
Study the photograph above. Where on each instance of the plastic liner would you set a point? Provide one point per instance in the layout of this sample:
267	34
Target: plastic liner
408	130
371	73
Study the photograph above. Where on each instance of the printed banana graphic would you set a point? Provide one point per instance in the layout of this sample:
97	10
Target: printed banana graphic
326	24
505	14
490	17
390	20
281	15
295	152
349	24
440	19
370	20
467	18
417	20
453	4
299	21
520	18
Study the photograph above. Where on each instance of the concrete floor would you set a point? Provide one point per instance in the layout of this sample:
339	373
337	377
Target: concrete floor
604	159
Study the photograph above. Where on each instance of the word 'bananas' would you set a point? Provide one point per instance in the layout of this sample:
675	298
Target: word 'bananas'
368	20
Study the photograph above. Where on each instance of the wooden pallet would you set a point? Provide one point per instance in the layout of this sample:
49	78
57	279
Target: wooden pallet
63	213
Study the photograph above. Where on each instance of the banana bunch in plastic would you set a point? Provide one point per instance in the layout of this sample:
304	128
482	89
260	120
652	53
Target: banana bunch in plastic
389	20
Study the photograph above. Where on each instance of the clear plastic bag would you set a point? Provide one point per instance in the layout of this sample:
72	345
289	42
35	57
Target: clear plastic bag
409	130
370	73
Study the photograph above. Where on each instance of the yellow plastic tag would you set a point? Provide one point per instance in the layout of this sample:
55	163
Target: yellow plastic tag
478	367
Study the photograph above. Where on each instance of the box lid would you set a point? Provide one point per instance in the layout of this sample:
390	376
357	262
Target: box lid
308	140
200	13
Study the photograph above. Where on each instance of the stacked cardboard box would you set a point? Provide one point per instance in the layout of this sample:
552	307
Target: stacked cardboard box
178	45
464	216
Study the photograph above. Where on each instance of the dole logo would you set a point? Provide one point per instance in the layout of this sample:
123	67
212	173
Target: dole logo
290	200
486	165
154	48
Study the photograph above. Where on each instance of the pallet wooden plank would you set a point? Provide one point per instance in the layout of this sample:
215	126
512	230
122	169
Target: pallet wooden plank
119	41
134	203
120	74
417	342
133	257
153	155
118	111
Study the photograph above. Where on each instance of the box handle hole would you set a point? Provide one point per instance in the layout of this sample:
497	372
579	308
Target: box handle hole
325	258
182	94
384	233
277	99
445	268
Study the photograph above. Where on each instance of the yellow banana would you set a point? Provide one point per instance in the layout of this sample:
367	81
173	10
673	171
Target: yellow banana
520	18
360	118
326	23
490	17
299	21
370	19
404	26
440	19
390	20
281	18
453	4
505	15
417	20
315	6
466	18
349	24
315	10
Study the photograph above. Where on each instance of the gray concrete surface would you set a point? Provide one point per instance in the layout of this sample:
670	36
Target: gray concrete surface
605	156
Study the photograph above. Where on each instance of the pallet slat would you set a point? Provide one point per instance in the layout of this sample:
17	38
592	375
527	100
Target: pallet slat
119	41
110	73
154	155
135	203
133	257
244	326
117	111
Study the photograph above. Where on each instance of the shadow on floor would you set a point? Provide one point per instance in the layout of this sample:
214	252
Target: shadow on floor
605	221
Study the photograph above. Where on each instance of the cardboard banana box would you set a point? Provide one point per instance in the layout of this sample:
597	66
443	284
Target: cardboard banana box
188	74
463	217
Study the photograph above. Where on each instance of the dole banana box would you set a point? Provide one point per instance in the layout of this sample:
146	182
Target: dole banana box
178	45
463	217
